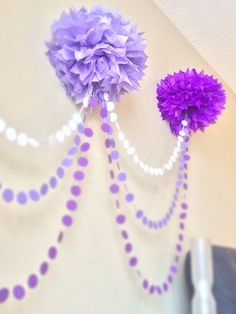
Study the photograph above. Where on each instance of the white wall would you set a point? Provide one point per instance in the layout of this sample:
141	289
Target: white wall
210	27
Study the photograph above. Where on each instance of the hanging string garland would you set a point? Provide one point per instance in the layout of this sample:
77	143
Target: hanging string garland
24	140
34	195
98	56
152	288
18	291
147	168
151	224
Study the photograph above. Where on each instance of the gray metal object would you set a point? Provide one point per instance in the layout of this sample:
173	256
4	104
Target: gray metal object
202	277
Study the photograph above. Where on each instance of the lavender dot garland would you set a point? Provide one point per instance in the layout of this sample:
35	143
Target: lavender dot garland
191	95
96	52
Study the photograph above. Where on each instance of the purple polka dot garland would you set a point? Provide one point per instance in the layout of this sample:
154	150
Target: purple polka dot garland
34	195
151	288
153	225
19	291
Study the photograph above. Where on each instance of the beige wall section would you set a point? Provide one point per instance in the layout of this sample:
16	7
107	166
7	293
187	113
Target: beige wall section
91	274
210	27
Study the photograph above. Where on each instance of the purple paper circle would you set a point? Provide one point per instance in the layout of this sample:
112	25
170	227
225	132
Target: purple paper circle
8	195
122	176
165	286
93	102
60	172
44	189
67	220
83	162
145	284
72	151
52	252
19	292
4	294
133	261
77	140
88	132
103	112
43	268
53	182
34	195
170	279
85	147
79	175
80	128
107	143
124	234
128	247
105	127
182	215
114	188
184	206
32	281
139	214
67	162
115	155
178	247
173	269
71	205
75	190
22	198
129	197
120	219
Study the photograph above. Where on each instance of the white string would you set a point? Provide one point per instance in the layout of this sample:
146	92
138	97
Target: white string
131	150
23	140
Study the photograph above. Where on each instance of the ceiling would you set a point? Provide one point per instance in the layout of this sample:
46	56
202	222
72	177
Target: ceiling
210	26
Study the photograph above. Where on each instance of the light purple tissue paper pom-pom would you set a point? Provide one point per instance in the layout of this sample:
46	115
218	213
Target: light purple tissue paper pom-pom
196	97
95	52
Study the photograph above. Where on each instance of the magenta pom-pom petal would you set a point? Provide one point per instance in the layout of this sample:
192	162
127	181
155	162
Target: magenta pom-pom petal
96	52
193	96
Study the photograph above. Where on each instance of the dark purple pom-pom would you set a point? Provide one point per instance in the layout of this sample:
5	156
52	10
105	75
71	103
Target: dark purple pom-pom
96	52
196	97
